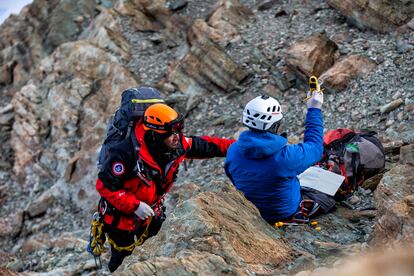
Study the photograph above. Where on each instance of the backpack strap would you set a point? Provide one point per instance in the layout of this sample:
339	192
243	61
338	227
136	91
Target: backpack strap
354	171
139	164
105	207
130	127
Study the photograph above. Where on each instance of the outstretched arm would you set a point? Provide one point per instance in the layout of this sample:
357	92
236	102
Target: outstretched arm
304	155
207	146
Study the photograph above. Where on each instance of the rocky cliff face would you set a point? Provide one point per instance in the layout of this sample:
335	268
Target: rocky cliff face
64	64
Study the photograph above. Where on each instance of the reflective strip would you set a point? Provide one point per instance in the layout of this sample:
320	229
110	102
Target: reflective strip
147	101
189	141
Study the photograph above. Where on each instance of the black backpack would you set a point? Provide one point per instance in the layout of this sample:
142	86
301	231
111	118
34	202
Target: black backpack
134	101
355	155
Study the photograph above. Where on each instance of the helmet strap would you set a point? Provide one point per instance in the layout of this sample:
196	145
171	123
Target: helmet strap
274	128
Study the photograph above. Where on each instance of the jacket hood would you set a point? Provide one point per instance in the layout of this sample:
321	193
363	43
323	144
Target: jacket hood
259	145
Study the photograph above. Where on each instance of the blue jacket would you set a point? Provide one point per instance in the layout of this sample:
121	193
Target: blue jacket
265	169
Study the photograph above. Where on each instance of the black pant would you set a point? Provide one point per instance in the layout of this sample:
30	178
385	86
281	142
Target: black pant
124	238
326	202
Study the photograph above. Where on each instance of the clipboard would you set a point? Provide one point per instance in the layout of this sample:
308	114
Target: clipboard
321	180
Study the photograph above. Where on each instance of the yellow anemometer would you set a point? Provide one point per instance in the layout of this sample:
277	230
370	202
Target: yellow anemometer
313	86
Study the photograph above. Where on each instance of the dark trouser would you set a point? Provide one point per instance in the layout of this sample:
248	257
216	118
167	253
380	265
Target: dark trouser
326	202
121	239
124	238
308	210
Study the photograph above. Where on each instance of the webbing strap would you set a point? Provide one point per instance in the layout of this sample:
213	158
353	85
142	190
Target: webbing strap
354	171
147	101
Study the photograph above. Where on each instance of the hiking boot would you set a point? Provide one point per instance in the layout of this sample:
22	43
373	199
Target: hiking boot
309	207
115	261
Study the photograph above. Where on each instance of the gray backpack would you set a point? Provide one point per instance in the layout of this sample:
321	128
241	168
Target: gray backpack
134	102
355	155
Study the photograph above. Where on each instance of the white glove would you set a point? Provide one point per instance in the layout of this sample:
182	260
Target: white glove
316	100
144	211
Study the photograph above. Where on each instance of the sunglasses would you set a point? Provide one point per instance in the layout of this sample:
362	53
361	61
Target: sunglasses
173	127
176	126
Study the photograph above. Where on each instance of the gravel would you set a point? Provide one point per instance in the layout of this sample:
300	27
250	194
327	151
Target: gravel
260	50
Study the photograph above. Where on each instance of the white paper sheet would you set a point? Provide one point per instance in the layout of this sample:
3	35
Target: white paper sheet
322	180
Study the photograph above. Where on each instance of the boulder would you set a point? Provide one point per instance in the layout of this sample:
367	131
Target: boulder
267	4
6	257
6	71
407	154
37	31
177	5
395	203
205	67
225	18
385	263
30	125
311	56
155	16
35	243
214	231
186	263
64	24
106	33
61	118
392	147
380	15
11	225
387	108
125	7
6	122
144	23
7	272
344	70
40	204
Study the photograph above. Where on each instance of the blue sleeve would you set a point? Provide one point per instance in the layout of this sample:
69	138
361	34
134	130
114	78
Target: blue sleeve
303	155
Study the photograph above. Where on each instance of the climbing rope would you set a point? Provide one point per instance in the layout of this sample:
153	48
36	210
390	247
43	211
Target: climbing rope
137	242
96	239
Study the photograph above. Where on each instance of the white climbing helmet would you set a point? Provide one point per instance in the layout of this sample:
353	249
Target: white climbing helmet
261	113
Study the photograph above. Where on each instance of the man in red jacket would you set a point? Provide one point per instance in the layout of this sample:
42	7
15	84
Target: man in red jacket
138	173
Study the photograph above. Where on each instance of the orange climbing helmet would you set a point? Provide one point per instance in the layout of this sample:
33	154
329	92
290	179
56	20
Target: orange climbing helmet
163	119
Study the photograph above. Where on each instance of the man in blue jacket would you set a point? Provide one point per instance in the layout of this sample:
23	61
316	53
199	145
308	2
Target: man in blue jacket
265	168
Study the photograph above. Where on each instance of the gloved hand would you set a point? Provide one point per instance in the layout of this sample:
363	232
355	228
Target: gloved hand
316	100
144	211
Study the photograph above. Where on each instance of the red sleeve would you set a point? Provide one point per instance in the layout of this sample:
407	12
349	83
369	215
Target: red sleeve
222	143
207	146
121	199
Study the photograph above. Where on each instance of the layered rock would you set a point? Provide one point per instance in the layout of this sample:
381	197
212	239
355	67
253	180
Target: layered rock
155	16
63	114
380	15
398	262
216	232
205	67
407	154
311	56
345	69
33	35
395	203
225	19
6	123
40	28
11	225
106	33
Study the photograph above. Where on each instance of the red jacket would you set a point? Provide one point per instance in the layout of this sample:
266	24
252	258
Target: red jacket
118	182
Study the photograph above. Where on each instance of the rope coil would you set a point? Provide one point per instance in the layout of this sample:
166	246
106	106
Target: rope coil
137	242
